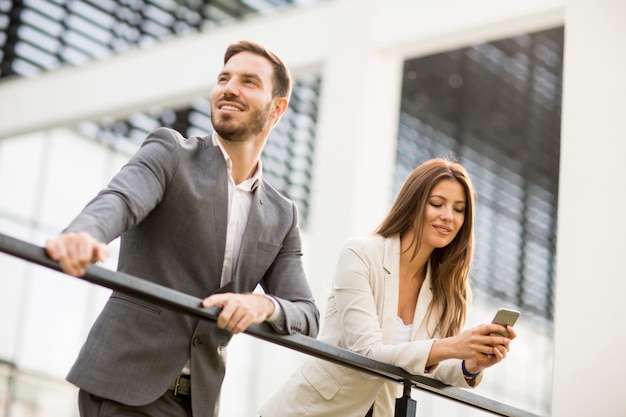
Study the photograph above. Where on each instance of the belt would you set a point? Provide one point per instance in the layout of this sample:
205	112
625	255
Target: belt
181	385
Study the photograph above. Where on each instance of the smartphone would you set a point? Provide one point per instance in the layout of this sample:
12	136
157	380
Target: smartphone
506	316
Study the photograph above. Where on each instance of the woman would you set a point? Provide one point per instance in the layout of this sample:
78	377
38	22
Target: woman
400	296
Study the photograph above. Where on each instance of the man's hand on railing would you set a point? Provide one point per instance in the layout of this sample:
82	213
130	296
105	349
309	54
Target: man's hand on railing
75	252
240	310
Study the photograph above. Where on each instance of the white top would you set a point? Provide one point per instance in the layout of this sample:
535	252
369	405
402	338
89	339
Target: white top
402	332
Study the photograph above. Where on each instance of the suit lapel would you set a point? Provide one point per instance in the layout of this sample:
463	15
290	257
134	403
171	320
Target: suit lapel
423	328
391	268
245	276
217	205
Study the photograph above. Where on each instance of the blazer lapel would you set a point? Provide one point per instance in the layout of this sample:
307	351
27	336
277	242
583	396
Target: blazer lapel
391	268
217	205
245	277
423	328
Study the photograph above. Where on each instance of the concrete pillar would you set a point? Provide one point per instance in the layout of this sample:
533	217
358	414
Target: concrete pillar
590	333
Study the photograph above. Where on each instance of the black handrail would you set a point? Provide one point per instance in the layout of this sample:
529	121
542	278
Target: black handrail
169	298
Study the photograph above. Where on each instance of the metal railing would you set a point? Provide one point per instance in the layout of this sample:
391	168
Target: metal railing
166	297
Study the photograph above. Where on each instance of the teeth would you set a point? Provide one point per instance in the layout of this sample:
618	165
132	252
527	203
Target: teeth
230	108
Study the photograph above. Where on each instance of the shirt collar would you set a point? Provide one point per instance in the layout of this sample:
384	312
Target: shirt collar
251	183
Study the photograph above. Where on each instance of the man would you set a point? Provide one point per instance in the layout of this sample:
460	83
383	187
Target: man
194	215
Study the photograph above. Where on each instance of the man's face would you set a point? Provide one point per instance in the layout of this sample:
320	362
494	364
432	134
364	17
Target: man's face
241	101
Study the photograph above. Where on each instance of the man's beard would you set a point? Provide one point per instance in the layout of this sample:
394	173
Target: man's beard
230	131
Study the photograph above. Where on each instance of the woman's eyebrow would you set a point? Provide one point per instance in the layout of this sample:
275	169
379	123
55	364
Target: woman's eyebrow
444	198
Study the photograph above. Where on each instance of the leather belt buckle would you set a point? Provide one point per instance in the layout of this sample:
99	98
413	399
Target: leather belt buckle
177	384
182	385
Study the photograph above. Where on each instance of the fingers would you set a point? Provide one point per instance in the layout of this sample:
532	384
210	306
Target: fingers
75	252
487	346
239	310
501	335
499	348
487	341
100	252
512	333
500	352
496	328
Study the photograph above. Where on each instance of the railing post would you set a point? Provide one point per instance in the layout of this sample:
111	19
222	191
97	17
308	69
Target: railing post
406	406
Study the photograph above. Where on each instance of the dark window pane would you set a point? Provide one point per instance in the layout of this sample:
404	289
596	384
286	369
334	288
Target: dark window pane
496	107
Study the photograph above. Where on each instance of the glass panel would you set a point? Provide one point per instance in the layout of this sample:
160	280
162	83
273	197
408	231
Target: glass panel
496	107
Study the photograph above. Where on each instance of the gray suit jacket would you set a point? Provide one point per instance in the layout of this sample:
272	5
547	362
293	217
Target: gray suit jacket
169	203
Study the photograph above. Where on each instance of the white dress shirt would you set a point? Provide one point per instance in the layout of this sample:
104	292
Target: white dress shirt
239	203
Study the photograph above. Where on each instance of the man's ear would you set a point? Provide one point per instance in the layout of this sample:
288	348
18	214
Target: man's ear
279	107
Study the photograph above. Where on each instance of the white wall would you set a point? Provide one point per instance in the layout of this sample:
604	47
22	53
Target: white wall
590	334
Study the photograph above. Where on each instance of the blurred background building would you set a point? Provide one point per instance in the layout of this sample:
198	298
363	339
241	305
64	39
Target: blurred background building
380	86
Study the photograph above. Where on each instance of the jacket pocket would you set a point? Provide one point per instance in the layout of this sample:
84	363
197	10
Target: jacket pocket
268	247
322	376
131	302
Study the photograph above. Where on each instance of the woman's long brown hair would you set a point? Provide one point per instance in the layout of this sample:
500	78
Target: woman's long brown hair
450	265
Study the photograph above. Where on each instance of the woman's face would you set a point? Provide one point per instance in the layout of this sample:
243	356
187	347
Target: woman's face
444	214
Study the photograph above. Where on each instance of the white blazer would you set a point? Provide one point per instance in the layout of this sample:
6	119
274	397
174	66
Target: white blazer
361	317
